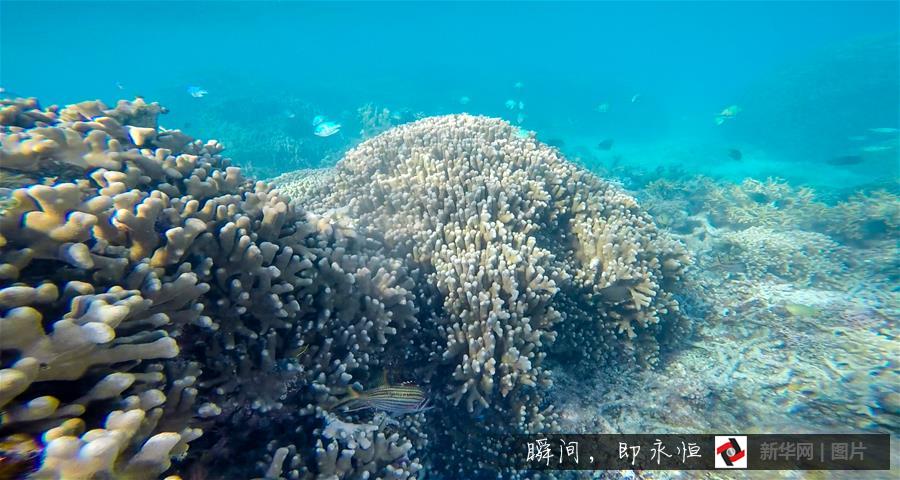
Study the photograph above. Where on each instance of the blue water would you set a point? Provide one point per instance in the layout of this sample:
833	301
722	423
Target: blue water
807	75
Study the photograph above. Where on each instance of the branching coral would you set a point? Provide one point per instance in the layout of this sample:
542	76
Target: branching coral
861	219
374	120
156	254
763	203
866	217
792	255
302	184
151	292
522	248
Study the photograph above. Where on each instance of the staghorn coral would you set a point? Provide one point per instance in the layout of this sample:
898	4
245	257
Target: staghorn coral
766	203
799	256
374	120
865	218
373	451
686	204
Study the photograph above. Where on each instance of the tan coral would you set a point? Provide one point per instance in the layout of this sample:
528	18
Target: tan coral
504	228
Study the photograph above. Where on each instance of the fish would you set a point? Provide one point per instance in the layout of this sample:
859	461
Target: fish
730	111
735	154
522	133
845	160
327	129
391	399
119	86
298	351
510	104
521	105
318	119
605	144
290	114
733	267
635	97
727	113
196	92
518	85
520	118
603	107
800	310
464	100
884	130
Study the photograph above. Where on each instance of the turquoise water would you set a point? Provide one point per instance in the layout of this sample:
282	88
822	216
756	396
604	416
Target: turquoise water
480	219
807	75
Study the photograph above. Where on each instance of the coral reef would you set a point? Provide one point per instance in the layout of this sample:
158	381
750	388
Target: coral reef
301	185
762	203
803	308
161	292
757	229
863	219
154	301
516	240
149	293
526	256
801	257
266	135
769	371
375	119
866	218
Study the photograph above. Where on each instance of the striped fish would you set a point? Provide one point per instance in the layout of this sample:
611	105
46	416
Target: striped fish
391	399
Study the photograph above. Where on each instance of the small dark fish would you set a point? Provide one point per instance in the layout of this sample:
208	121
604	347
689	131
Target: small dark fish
605	144
845	160
735	154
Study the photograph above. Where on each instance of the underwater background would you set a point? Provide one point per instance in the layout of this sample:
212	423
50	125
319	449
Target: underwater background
806	75
728	262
